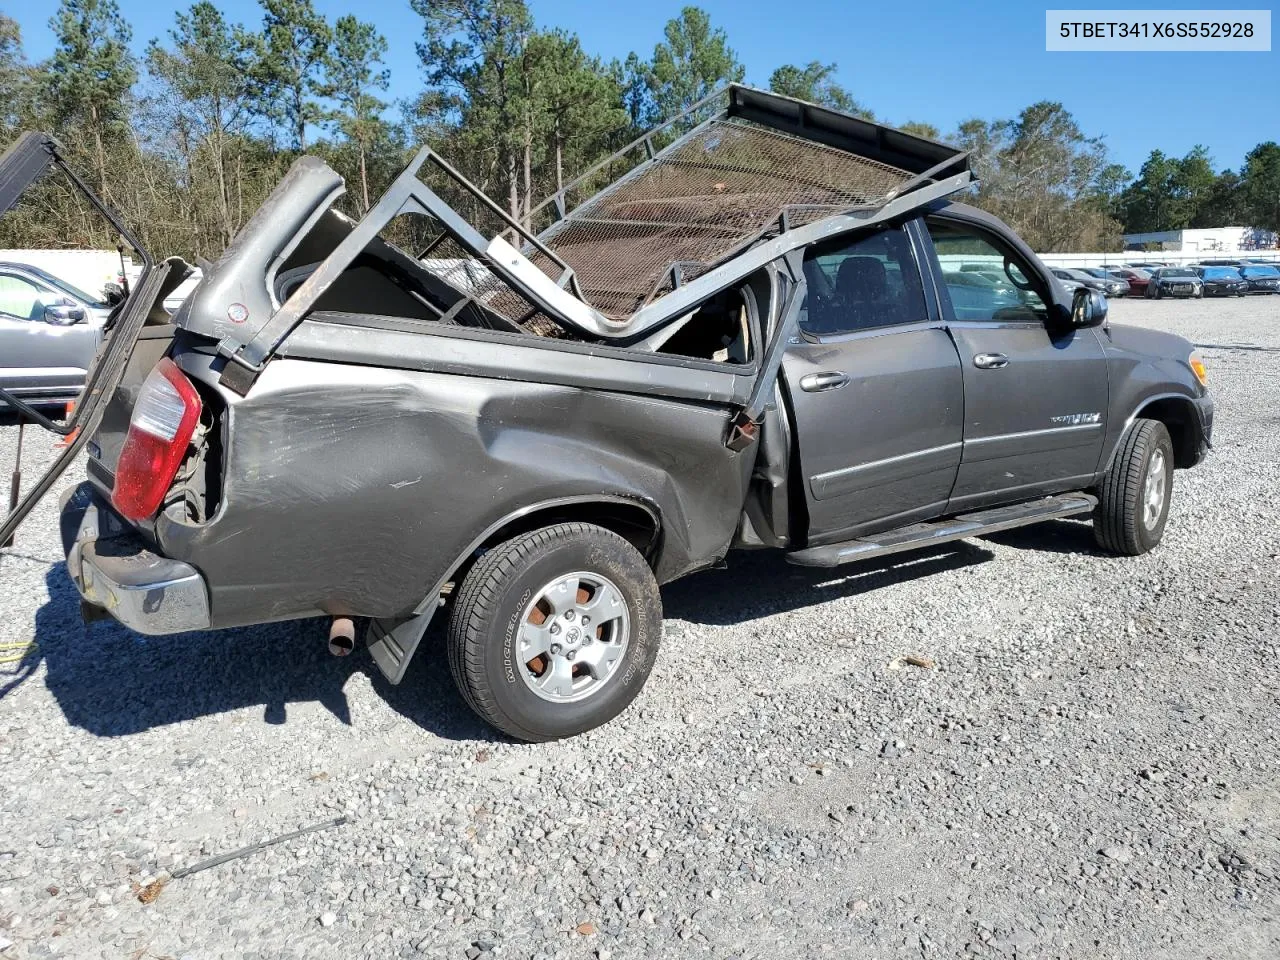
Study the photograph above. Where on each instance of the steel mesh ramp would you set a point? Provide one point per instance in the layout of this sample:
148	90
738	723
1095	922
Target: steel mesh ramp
712	192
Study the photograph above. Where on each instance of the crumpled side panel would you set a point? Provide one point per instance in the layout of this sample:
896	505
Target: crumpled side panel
353	490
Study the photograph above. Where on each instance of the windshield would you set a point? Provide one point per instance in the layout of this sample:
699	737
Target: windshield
87	298
1177	272
1258	272
1216	273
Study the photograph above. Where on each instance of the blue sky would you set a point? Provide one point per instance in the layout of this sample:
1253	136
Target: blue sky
937	62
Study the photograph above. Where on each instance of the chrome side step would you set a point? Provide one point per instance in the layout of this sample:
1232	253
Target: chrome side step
959	527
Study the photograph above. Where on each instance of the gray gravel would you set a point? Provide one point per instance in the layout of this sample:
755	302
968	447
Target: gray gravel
1090	770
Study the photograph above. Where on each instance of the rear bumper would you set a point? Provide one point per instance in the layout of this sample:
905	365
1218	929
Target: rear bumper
114	570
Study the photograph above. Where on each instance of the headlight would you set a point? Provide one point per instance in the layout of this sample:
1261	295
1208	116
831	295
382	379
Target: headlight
1198	368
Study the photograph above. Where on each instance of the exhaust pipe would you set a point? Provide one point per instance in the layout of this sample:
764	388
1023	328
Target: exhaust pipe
342	636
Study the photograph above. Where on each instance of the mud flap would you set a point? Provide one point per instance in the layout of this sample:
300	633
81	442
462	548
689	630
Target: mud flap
394	642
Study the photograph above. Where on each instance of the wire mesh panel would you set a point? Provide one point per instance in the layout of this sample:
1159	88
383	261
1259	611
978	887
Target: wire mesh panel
701	200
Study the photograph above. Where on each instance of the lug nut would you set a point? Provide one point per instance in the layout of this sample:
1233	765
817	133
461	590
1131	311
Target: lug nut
555	628
585	619
570	655
568	614
555	648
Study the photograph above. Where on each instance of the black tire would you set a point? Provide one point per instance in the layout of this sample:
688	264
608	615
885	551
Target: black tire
484	626
1119	522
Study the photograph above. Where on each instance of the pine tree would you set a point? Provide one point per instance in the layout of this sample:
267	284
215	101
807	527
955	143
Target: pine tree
88	79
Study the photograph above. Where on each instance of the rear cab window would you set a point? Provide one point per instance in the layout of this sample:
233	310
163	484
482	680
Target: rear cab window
861	283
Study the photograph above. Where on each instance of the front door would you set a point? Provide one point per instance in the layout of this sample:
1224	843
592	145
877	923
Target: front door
1035	392
875	385
47	341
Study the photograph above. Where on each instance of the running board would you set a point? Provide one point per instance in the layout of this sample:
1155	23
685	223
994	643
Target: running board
941	531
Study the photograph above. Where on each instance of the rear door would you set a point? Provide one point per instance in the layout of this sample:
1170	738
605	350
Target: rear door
875	386
1035	391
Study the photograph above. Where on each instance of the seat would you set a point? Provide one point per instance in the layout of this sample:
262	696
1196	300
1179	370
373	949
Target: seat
862	293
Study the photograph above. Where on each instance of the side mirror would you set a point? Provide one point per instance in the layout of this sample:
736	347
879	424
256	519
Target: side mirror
63	315
112	293
1088	308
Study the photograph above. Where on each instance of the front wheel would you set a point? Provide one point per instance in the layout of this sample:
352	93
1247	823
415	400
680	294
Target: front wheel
555	631
1133	499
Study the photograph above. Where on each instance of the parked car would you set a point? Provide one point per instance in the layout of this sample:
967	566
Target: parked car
1174	282
49	333
1137	279
967	287
1107	286
383	443
1220	262
1118	284
1149	267
1261	279
1221	281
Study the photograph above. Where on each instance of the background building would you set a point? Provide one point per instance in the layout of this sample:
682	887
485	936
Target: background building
1208	240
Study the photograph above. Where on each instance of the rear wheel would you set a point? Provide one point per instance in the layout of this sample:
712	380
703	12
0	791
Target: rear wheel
1133	500
555	631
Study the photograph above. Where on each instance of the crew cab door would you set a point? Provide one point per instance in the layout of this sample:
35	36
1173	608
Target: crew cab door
1035	389
875	387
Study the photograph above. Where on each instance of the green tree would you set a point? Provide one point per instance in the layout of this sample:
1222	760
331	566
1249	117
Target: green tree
1041	174
1260	186
16	85
88	79
472	52
354	78
926	130
1169	192
203	103
815	84
290	70
1225	204
694	60
580	99
631	77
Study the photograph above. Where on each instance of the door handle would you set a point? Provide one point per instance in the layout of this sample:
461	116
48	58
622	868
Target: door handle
990	361
828	380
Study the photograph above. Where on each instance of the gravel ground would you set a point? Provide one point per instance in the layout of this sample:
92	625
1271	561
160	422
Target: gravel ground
1090	770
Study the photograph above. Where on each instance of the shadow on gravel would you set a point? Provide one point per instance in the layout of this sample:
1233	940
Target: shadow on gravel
760	584
112	682
1052	536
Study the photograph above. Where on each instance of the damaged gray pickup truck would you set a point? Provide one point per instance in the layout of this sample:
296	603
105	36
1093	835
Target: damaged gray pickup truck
775	331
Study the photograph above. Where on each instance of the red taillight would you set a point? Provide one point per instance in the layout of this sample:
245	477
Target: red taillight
164	418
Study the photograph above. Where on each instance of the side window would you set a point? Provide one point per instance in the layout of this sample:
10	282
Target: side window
861	284
20	298
984	281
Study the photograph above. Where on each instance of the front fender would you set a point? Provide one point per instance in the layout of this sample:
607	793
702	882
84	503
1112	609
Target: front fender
1149	375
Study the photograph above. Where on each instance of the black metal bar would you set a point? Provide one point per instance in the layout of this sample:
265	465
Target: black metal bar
15	481
507	218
